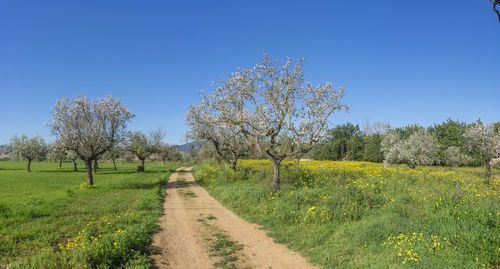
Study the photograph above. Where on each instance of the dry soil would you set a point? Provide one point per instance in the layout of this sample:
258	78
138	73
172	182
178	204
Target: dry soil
192	217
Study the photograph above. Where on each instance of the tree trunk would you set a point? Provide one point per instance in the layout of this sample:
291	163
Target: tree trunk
488	172
75	167
276	174
114	164
163	161
96	165
233	164
141	167
88	166
60	163
29	165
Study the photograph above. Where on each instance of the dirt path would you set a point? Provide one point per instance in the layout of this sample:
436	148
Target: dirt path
198	232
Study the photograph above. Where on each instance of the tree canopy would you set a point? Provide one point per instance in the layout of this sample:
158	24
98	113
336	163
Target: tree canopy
89	127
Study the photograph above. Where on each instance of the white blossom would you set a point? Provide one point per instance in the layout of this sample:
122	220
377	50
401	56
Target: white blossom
482	140
89	127
421	148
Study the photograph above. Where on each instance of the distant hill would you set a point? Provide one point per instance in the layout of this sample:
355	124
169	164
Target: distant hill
187	147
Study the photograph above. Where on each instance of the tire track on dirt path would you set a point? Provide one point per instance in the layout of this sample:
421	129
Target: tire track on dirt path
193	221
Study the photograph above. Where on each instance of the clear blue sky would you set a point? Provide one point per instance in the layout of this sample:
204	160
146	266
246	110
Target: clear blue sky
399	61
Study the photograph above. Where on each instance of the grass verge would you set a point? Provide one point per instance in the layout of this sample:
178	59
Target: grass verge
50	219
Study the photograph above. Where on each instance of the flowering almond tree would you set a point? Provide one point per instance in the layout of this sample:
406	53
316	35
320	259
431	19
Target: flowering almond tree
421	148
57	152
89	127
453	157
166	152
208	124
143	146
481	139
276	110
25	148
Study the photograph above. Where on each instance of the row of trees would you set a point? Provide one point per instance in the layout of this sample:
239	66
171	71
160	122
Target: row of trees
422	147
268	109
451	143
348	142
90	130
137	145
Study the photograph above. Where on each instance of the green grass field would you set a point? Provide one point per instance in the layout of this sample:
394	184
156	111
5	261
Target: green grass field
48	221
361	215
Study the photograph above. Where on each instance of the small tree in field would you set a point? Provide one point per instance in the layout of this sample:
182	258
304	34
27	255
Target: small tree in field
270	101
57	152
89	127
453	157
482	140
421	148
114	153
29	149
74	158
166	152
143	146
177	157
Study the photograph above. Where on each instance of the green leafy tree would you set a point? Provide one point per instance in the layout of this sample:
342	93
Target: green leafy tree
497	127
449	134
25	148
177	157
372	152
356	147
407	131
338	146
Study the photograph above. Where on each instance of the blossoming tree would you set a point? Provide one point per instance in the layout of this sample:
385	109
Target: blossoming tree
421	148
483	140
89	127
208	122
276	110
25	148
143	146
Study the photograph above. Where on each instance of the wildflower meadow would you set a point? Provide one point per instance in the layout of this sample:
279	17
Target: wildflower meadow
361	214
